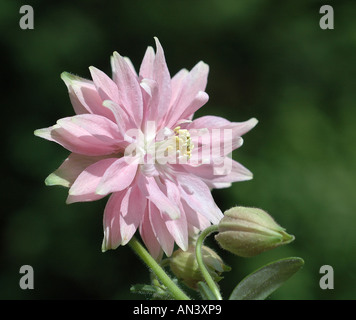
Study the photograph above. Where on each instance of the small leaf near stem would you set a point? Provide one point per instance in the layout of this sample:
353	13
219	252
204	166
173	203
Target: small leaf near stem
209	280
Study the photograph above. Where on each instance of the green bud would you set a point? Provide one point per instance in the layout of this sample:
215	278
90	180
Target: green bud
248	232
185	267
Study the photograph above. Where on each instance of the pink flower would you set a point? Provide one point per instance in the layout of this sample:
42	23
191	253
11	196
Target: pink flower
133	137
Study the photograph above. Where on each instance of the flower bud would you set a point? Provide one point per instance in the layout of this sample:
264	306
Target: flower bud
185	267
247	232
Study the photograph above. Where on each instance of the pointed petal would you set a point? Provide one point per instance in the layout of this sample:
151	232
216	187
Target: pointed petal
148	236
70	169
111	222
86	134
194	218
177	83
123	120
213	147
146	68
160	230
97	126
133	206
215	137
131	66
177	227
130	97
117	176
155	194
197	195
150	95
84	96
191	85
199	100
212	122
212	177
163	79
84	187
106	88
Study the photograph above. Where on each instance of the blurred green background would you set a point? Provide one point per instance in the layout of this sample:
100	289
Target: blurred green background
268	59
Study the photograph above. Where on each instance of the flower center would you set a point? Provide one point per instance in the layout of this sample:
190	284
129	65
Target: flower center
176	145
184	145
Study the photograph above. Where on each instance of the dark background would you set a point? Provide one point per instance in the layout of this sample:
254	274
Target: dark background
268	59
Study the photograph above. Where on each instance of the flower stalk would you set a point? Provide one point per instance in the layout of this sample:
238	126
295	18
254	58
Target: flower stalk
176	292
208	278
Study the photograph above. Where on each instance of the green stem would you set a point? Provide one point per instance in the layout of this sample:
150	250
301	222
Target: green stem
209	280
176	292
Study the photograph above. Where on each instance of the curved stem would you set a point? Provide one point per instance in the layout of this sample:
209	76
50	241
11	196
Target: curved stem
177	293
209	280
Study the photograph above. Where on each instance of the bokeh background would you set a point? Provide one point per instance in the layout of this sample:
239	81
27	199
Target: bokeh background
268	59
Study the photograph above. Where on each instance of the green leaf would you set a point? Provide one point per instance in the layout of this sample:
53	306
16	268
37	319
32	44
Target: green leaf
143	289
155	292
261	283
205	291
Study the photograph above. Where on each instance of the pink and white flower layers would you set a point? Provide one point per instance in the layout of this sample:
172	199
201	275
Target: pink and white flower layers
133	137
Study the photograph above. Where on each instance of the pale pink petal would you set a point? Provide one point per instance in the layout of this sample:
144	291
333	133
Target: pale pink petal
148	236
212	122
163	79
199	100
155	194
212	177
211	147
122	216
131	66
149	89
133	207
123	120
197	195
215	137
118	176
191	85
70	169
106	88
111	222
147	68
150	94
177	227
84	144
84	187
194	218
97	126
177	83
77	135
84	96
160	230
130	97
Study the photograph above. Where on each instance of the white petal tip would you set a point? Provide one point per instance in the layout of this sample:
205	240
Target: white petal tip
66	77
253	121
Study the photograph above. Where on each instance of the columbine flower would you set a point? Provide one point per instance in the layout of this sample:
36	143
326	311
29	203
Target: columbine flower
133	137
